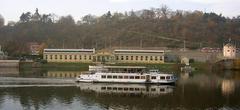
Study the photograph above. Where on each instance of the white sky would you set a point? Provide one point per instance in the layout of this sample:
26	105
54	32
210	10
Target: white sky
12	9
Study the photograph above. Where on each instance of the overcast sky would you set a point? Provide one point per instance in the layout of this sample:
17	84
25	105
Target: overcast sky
12	9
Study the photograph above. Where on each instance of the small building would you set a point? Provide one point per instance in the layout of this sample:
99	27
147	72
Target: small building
229	51
69	55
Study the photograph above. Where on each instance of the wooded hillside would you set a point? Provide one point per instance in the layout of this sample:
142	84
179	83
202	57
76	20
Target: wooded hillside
156	27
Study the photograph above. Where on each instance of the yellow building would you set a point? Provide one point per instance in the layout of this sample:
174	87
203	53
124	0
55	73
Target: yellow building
104	56
139	56
69	55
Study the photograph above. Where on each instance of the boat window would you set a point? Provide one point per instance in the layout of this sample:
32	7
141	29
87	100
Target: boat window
103	76
168	77
137	77
125	89
114	88
125	77
131	89
131	77
142	77
114	77
153	77
153	89
162	89
109	76
103	88
120	77
162	77
137	89
120	88
109	88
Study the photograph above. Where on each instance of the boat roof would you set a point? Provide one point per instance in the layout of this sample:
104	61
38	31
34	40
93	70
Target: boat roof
121	67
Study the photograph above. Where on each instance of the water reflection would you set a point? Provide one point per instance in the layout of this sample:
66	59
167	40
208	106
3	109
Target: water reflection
228	87
199	91
9	72
127	89
62	74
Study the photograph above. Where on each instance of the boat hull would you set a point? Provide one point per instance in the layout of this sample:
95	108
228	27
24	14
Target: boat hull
126	82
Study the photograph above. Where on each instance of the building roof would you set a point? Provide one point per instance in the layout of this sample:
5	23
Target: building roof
69	50
138	51
118	67
123	50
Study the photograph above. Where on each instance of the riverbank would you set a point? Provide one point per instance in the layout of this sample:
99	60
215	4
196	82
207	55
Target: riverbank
166	67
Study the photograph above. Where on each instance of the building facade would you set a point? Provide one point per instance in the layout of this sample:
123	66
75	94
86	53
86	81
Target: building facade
69	55
104	56
229	51
139	56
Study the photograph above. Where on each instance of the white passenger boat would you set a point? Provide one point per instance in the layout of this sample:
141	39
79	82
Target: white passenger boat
125	74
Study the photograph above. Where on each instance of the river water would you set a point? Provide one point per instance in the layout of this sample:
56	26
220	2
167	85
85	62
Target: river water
56	90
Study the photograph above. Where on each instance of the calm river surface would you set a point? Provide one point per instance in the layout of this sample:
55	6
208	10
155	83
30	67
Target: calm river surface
51	91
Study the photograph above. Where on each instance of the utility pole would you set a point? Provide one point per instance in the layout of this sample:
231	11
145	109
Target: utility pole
184	45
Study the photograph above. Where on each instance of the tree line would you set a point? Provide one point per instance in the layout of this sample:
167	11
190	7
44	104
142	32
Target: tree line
155	27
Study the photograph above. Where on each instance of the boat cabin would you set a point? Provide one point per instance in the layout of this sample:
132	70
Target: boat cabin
118	69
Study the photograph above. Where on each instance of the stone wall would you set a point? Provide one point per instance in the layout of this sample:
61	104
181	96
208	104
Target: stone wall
9	63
